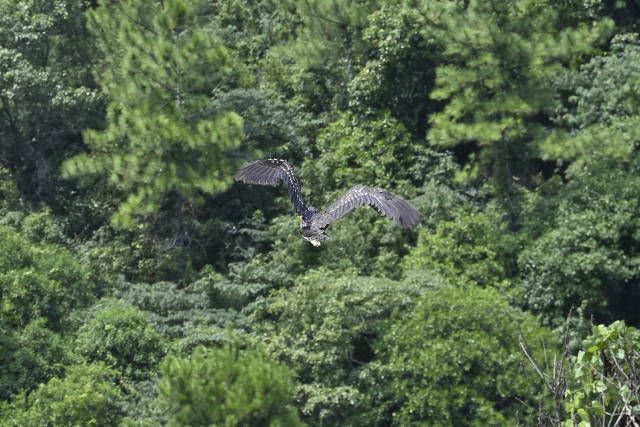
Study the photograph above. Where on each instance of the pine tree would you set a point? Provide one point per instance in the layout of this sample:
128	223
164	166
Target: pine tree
160	146
499	59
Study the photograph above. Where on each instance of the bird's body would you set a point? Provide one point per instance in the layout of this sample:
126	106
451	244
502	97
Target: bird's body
313	223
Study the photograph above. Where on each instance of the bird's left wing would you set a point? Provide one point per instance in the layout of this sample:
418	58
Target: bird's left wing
386	203
272	172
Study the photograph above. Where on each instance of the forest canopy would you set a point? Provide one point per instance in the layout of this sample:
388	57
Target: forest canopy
141	286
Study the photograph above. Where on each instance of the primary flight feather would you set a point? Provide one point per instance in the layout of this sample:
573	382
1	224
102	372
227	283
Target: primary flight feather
313	223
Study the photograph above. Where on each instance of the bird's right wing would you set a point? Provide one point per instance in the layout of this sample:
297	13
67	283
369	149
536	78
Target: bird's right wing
272	172
386	203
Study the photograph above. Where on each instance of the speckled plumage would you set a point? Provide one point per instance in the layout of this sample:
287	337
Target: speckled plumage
313	223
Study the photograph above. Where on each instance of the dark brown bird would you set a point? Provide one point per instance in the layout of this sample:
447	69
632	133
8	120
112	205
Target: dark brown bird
313	223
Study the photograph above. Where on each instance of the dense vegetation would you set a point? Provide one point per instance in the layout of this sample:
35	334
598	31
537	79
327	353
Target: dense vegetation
140	286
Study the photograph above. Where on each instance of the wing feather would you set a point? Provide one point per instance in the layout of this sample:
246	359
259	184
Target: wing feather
272	172
384	202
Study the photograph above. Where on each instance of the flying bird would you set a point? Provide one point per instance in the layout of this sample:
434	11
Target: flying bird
313	223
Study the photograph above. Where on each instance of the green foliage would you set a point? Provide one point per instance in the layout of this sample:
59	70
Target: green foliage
29	357
378	151
198	314
597	97
157	142
142	407
113	257
454	360
399	70
603	384
38	281
466	249
117	256
625	14
37	226
600	108
19	368
227	387
324	54
499	61
535	204
325	328
250	29
50	349
589	256
86	396
47	94
267	120
121	337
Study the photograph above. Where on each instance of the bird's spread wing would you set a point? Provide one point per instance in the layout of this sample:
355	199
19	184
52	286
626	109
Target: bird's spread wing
386	203
272	172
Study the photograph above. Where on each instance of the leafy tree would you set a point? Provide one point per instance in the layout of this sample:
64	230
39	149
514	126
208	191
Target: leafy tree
141	406
399	69
586	255
47	94
19	368
325	328
589	257
39	281
471	248
228	387
161	64
29	357
598	108
123	338
378	151
624	13
50	349
323	55
267	121
455	360
250	29
87	395
36	226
